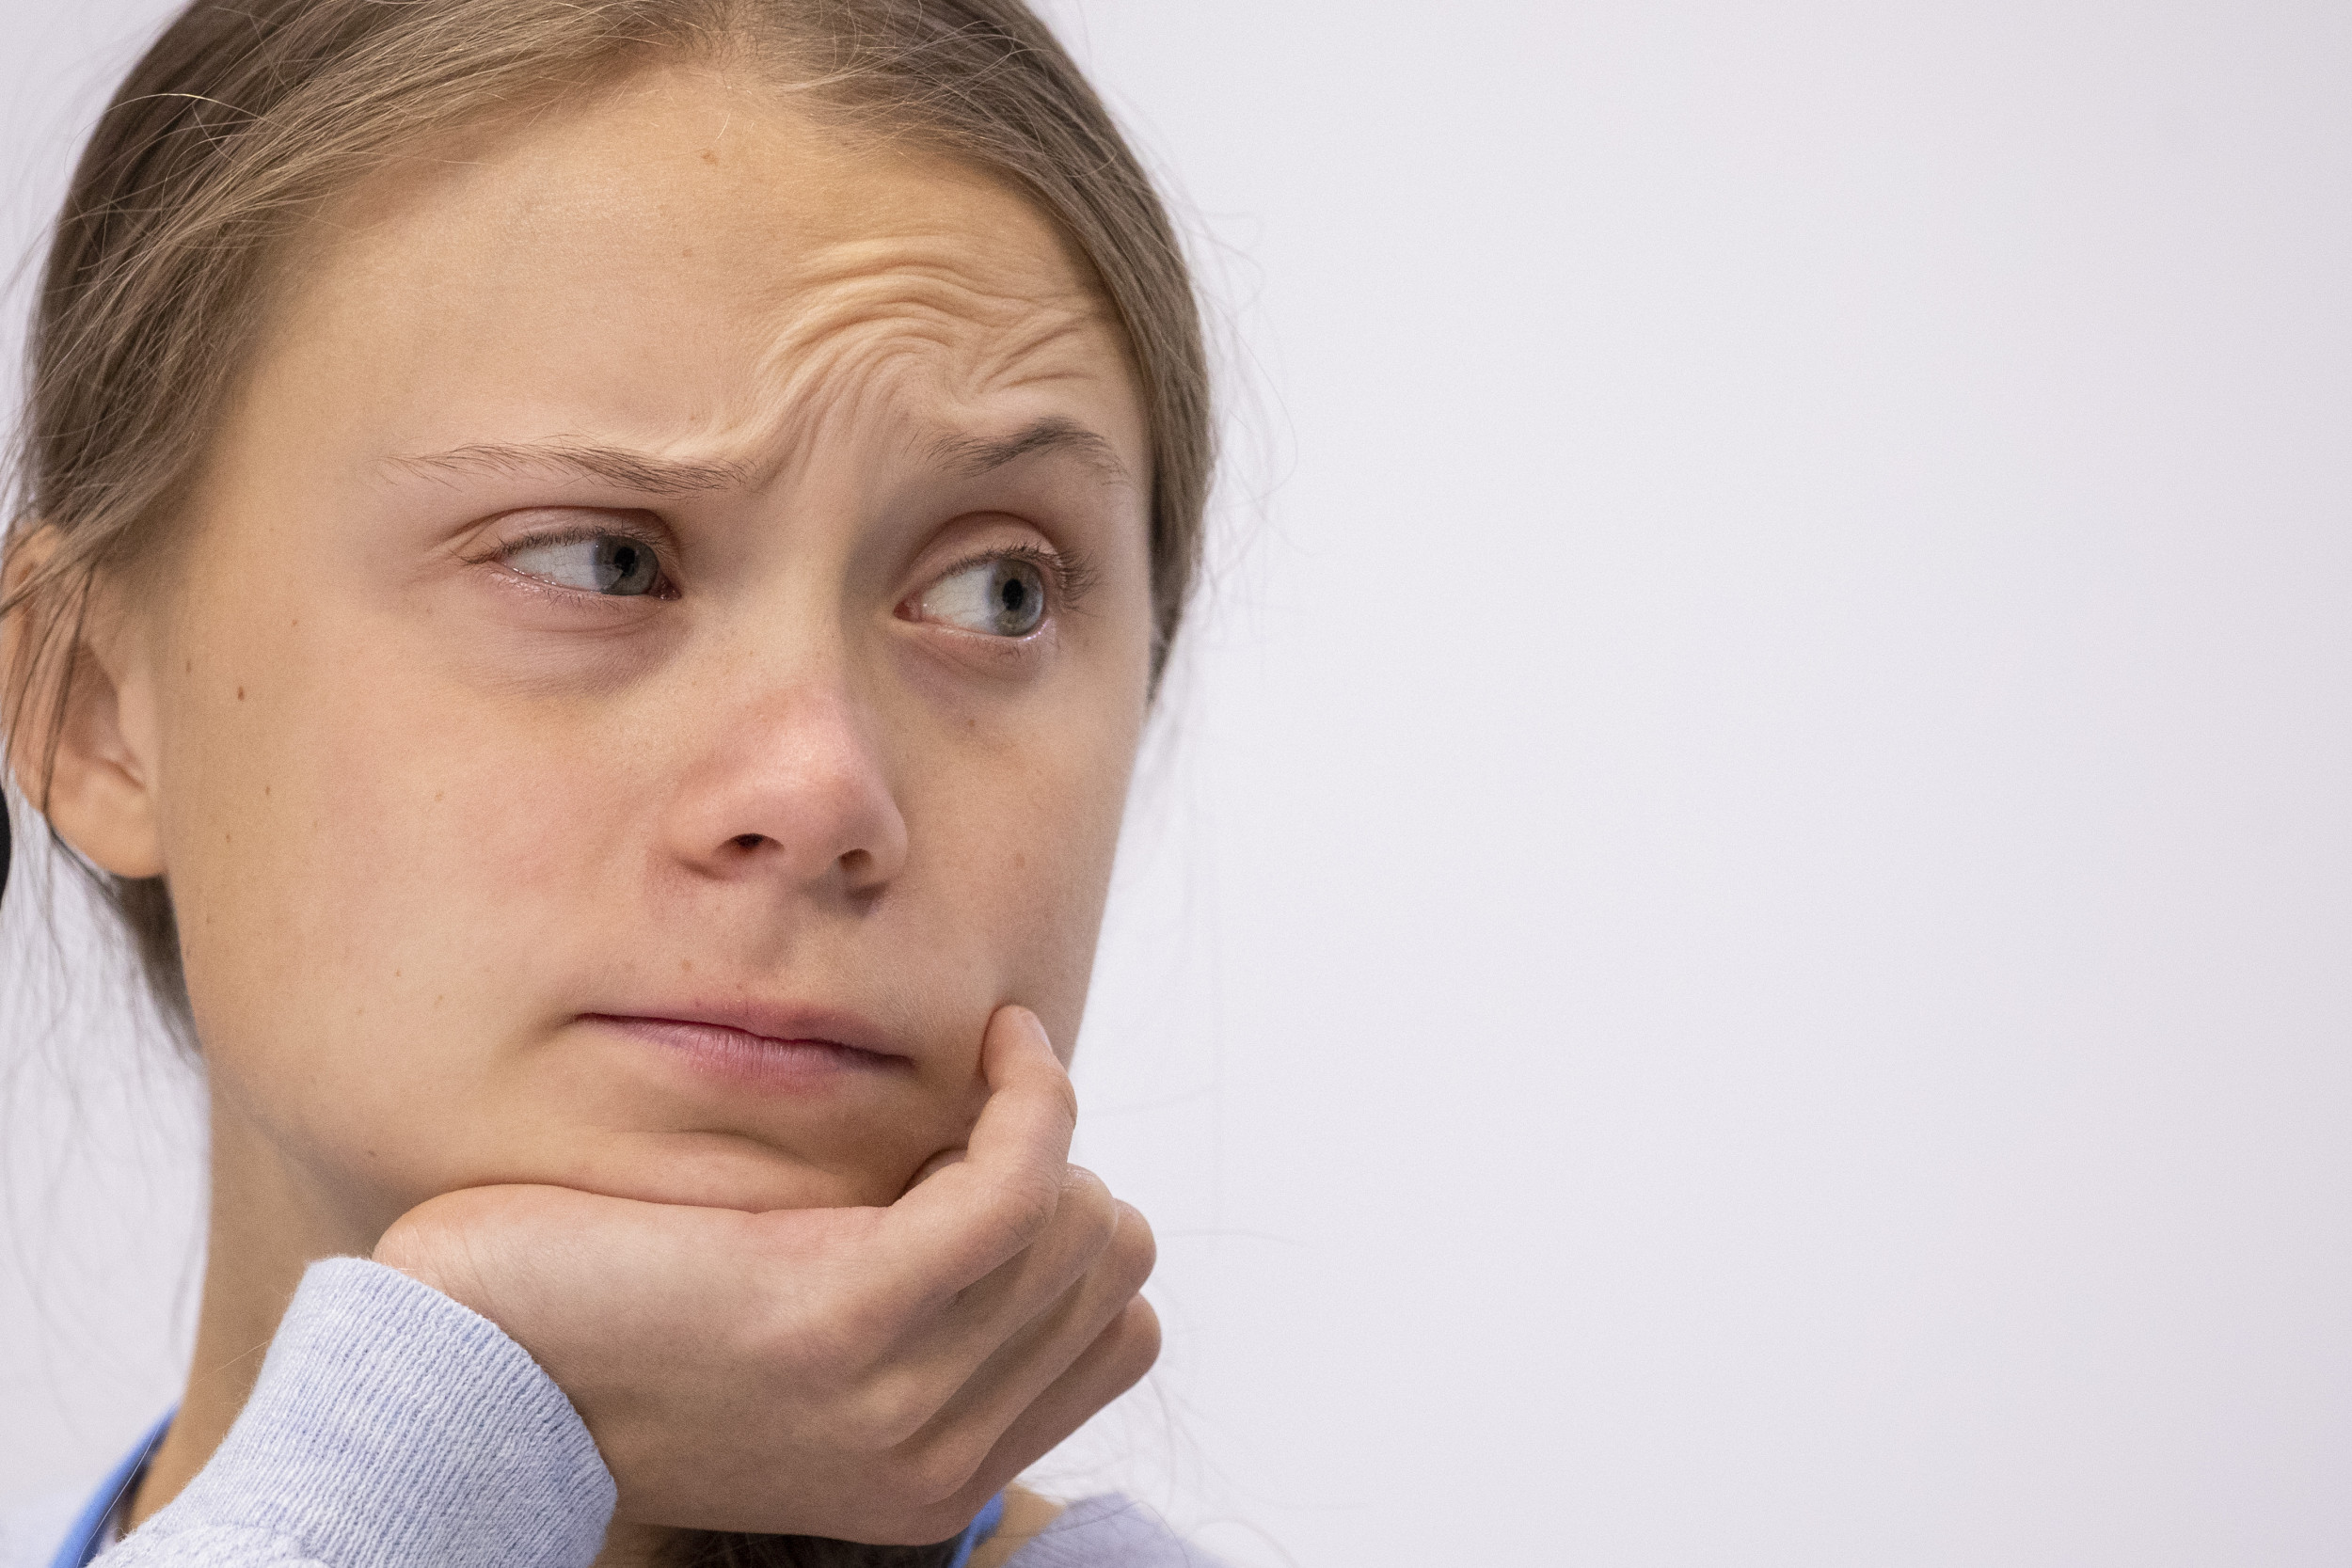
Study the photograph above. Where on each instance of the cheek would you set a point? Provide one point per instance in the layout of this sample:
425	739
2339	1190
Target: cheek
1021	843
364	868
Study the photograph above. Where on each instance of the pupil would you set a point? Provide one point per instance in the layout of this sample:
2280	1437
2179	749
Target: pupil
622	566
1016	594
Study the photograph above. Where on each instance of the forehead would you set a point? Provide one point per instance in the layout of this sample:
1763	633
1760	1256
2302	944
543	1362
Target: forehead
688	257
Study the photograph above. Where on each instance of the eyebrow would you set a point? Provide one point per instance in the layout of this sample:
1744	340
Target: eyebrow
617	466
971	457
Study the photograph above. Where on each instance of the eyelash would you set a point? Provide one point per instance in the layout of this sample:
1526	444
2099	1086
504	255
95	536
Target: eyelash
508	551
1069	576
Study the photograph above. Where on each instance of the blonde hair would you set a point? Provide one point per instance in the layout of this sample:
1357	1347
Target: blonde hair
243	118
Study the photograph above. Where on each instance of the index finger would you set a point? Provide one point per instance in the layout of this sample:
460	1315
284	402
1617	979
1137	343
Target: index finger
969	1218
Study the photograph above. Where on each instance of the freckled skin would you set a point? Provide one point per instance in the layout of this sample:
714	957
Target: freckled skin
420	815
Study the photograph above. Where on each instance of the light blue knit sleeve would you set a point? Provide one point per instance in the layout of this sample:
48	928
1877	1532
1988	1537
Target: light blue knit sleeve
390	1427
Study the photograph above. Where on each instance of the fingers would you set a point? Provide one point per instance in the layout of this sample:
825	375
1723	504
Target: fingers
1115	1362
1046	1344
1087	1220
974	1215
1056	1273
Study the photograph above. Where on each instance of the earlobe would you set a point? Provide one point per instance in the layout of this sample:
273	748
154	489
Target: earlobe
97	788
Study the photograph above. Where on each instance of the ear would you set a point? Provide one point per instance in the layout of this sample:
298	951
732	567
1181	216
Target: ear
94	691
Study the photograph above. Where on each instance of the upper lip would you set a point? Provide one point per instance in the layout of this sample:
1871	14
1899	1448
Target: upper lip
770	1020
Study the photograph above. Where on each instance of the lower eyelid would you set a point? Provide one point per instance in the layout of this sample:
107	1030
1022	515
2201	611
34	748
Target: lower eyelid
557	595
1000	654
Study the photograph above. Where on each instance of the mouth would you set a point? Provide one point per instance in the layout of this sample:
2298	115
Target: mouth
782	1047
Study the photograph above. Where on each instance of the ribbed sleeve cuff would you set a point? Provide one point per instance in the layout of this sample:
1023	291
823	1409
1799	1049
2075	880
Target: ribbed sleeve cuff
393	1426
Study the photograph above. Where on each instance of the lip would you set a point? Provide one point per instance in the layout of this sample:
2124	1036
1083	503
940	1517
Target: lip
747	1042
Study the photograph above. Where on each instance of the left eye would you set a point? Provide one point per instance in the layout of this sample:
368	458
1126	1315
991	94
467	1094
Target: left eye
1004	597
613	564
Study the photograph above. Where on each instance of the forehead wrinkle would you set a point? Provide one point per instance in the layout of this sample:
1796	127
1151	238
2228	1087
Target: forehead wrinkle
925	292
950	262
862	338
882	337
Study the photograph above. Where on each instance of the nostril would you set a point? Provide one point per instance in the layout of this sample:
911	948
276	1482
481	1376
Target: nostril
748	841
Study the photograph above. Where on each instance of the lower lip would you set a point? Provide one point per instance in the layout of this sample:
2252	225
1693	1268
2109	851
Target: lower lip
739	1056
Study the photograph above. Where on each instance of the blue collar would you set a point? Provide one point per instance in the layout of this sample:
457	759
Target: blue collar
87	1537
978	1530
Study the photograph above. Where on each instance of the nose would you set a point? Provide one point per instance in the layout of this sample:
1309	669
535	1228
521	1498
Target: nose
792	787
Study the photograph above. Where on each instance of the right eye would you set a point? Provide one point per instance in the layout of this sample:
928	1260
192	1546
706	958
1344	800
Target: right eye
617	564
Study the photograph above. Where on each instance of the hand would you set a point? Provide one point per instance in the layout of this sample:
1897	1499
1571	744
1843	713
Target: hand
870	1374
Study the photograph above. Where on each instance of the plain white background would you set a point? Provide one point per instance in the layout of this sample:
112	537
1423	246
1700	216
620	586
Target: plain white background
1741	946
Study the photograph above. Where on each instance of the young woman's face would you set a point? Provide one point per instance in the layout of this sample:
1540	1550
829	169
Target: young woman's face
655	662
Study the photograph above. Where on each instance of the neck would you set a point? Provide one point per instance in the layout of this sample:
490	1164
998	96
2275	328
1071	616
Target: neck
264	1227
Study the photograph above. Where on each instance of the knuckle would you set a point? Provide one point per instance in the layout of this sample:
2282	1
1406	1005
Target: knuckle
1135	1248
1138	1346
1029	1207
1064	1096
1084	1186
1093	1212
